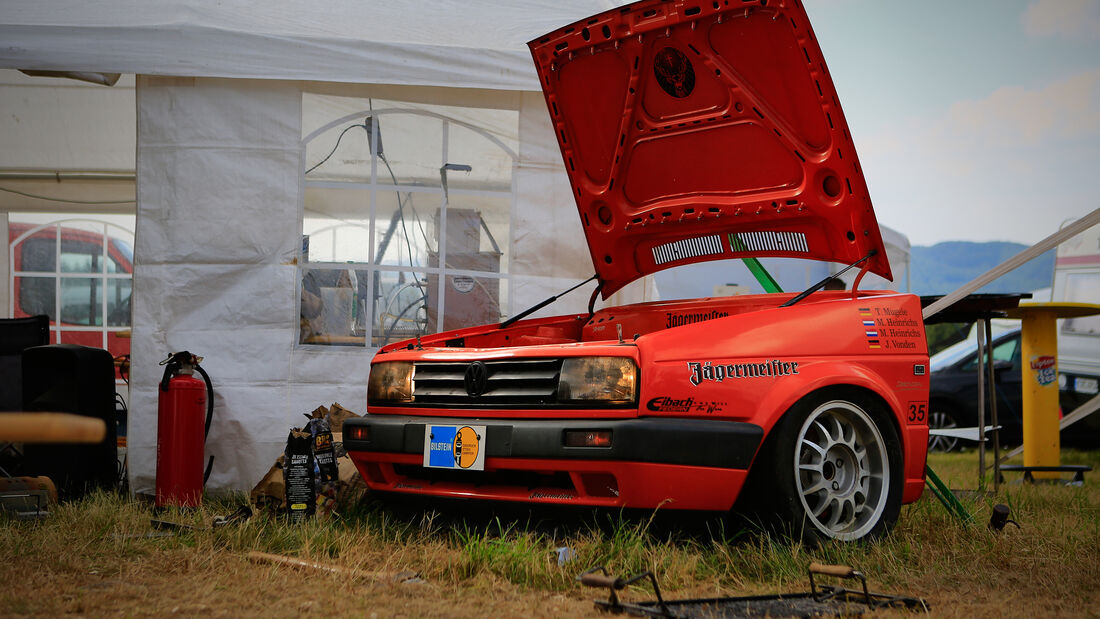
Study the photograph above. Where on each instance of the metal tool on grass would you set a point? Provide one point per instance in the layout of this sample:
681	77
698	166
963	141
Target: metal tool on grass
243	513
820	600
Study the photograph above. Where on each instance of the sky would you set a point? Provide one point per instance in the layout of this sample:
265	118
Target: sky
974	120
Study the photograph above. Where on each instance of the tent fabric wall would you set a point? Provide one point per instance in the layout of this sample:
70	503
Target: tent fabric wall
217	163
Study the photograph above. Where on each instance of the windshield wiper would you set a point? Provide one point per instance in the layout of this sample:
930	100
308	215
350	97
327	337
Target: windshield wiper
536	308
821	284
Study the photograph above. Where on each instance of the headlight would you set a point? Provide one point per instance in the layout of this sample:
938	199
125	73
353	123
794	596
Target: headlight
390	381
606	379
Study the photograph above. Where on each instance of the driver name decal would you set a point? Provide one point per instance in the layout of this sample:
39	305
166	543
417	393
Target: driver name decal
720	372
890	328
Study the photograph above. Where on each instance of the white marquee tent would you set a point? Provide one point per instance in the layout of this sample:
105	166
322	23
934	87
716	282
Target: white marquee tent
236	103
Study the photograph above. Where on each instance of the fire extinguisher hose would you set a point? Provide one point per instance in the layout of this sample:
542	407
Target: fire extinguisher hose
209	418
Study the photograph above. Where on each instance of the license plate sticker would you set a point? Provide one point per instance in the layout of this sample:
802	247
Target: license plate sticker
454	447
1085	385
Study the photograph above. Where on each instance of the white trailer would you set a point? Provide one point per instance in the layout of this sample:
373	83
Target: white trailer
1077	280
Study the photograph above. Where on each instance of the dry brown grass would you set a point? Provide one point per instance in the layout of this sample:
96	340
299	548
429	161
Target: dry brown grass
92	558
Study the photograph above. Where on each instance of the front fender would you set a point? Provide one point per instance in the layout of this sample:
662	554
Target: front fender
817	375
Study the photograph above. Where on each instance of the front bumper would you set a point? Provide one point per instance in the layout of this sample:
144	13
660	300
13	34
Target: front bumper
675	463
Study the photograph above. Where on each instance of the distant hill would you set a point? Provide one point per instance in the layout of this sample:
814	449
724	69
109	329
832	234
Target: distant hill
943	267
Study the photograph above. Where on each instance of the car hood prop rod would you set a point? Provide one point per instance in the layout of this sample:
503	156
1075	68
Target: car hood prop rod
536	308
821	284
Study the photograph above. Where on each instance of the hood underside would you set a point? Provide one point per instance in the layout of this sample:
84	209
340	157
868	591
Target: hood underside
695	131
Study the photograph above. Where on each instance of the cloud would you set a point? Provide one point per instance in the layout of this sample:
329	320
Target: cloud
1002	167
1013	116
1011	119
1074	19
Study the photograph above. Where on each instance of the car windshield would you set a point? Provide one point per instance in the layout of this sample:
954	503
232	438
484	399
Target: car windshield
958	351
951	355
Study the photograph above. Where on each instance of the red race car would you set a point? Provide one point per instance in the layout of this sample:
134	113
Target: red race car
690	131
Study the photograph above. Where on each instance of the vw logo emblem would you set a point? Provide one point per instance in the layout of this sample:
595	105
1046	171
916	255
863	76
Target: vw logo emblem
476	379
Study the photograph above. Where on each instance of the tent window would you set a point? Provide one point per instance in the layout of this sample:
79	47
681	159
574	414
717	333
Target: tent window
406	219
82	266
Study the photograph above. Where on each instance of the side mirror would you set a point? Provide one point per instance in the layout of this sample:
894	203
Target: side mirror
1001	365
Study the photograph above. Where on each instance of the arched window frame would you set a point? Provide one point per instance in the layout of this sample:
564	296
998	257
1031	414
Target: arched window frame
368	272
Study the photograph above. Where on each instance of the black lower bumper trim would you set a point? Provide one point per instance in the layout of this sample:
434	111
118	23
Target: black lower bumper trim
693	442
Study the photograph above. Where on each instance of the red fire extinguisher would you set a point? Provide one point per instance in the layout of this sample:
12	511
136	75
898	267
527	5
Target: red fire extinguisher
181	431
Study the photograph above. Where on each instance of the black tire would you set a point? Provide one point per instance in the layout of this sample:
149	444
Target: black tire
830	469
942	418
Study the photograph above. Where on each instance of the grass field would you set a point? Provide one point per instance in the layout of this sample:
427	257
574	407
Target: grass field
93	557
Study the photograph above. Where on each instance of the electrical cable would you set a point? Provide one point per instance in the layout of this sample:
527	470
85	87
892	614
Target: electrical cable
124	368
400	204
337	145
405	231
401	210
120	407
397	319
48	199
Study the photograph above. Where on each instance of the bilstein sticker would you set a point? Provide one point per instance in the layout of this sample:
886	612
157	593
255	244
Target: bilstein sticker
720	372
454	447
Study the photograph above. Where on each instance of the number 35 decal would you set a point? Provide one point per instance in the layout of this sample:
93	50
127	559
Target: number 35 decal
918	412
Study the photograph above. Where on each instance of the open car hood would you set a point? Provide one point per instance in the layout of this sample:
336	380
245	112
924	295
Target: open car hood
695	131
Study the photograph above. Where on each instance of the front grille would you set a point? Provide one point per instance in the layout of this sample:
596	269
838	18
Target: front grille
511	382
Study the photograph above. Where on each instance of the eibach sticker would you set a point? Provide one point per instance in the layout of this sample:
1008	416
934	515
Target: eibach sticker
688	405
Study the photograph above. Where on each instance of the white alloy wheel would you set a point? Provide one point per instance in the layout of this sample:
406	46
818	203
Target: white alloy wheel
843	470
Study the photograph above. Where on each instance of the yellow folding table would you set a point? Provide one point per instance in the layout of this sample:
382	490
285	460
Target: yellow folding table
1039	375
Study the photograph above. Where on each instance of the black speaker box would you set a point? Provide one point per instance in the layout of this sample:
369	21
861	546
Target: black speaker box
17	335
65	378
